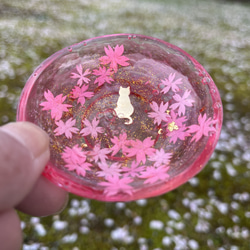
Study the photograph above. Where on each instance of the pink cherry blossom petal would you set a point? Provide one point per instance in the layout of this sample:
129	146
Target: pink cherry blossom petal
178	120
91	128
180	133
114	57
203	128
66	128
133	170
104	76
159	113
99	154
160	157
109	171
140	149
55	105
115	185
171	84
182	102
82	76
75	160
81	94
119	143
154	174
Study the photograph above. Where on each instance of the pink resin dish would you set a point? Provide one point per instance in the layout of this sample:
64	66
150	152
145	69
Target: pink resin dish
129	116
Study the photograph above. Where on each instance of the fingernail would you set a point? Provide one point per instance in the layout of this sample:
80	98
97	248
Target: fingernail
30	135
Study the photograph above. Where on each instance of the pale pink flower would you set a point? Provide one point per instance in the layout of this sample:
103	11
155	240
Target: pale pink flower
66	128
104	76
177	120
109	171
55	104
114	57
139	149
91	128
204	127
99	153
73	154
159	113
176	129
119	143
75	160
115	185
154	174
133	170
81	94
160	157
182	102
171	84
180	133
82	76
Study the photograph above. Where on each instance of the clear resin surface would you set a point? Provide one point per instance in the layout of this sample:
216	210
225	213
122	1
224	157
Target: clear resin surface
128	116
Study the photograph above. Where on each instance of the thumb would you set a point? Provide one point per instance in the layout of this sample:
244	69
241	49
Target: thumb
24	152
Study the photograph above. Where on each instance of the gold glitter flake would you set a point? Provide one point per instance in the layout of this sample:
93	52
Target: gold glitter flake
172	126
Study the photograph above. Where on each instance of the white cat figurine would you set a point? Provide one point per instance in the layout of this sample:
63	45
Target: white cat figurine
124	107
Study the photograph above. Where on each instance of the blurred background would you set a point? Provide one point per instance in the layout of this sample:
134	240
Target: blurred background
212	210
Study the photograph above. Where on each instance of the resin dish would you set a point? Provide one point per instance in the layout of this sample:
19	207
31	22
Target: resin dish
129	116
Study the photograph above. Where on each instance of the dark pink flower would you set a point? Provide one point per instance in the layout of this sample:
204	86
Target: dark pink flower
171	84
55	104
139	149
104	76
81	94
154	174
66	128
159	113
115	185
114	57
91	128
204	127
82	76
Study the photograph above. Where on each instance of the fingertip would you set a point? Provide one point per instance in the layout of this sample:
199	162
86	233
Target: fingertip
30	135
24	152
44	199
10	230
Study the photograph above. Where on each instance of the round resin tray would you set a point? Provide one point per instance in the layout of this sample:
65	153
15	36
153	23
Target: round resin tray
128	116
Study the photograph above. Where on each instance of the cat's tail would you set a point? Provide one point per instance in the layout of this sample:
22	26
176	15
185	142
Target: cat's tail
129	121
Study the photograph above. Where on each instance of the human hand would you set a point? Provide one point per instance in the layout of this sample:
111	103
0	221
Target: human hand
24	152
